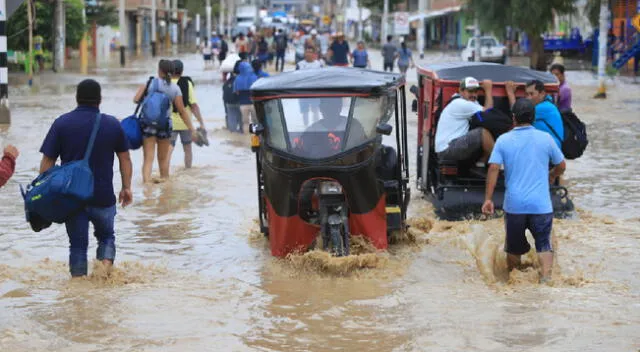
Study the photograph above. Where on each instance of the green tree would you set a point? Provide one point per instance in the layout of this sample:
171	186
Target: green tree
104	14
532	16
378	5
18	24
592	10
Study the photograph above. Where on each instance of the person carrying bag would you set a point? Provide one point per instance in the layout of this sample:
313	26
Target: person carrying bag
62	190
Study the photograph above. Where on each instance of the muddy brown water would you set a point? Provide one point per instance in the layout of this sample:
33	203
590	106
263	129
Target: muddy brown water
193	274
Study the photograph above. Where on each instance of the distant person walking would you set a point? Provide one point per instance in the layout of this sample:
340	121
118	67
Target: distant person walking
405	58
526	153
360	56
207	52
281	49
258	68
160	136
224	49
241	87
191	106
8	163
232	102
67	139
339	53
310	62
564	96
242	46
312	41
389	54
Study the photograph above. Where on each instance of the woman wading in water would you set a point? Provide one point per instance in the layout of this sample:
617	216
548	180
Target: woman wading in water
161	136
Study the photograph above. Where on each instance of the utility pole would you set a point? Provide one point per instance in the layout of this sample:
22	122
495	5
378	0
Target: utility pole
198	30
84	44
221	17
174	26
59	41
422	9
602	49
5	113
154	33
30	21
230	13
123	32
385	22
167	18
360	23
208	10
476	36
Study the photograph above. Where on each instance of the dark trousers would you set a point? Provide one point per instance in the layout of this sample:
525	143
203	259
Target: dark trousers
280	60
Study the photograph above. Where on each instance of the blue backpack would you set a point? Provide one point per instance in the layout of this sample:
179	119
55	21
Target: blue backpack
155	108
63	190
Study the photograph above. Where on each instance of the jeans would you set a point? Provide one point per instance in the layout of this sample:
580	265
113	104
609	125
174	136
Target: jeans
78	230
234	118
280	60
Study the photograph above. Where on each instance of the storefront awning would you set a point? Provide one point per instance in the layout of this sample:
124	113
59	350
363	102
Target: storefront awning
432	14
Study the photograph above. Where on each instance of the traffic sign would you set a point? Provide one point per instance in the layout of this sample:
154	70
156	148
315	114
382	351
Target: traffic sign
401	23
326	19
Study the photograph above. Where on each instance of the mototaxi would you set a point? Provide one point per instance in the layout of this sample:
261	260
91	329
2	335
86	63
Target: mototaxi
323	171
456	188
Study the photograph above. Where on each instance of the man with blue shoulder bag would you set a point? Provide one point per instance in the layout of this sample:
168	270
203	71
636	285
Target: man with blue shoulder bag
79	138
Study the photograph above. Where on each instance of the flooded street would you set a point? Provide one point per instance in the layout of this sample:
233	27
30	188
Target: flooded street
194	274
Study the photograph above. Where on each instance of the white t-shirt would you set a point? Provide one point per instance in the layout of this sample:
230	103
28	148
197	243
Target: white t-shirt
305	65
454	121
206	49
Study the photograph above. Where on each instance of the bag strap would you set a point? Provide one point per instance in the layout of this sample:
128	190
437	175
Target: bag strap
146	90
92	139
552	130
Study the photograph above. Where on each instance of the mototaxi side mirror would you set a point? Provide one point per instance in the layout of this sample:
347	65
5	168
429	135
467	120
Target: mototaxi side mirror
414	105
256	128
414	90
384	129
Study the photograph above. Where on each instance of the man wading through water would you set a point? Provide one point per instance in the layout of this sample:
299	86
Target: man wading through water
68	139
525	153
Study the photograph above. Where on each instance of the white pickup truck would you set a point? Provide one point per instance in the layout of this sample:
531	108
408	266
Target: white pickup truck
490	50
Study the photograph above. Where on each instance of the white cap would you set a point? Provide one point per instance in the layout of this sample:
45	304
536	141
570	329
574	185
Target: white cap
314	32
469	83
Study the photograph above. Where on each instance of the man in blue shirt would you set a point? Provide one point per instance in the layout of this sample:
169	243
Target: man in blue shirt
339	51
548	118
68	139
525	154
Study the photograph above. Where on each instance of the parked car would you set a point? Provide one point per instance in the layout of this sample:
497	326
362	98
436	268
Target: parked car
490	50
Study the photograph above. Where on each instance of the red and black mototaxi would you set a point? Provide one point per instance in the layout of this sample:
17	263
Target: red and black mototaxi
322	168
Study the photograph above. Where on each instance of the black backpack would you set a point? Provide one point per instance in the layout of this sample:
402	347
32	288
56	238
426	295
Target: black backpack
281	42
575	135
493	120
183	83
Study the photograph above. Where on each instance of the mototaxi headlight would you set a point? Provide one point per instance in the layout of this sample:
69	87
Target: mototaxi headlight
330	187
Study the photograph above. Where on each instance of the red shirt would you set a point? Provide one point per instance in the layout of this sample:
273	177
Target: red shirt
7	166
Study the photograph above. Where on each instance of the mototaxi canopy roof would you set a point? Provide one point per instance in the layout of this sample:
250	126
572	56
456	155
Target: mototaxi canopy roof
331	81
485	70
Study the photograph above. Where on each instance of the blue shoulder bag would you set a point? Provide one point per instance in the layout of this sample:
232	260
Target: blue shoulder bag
131	124
61	191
